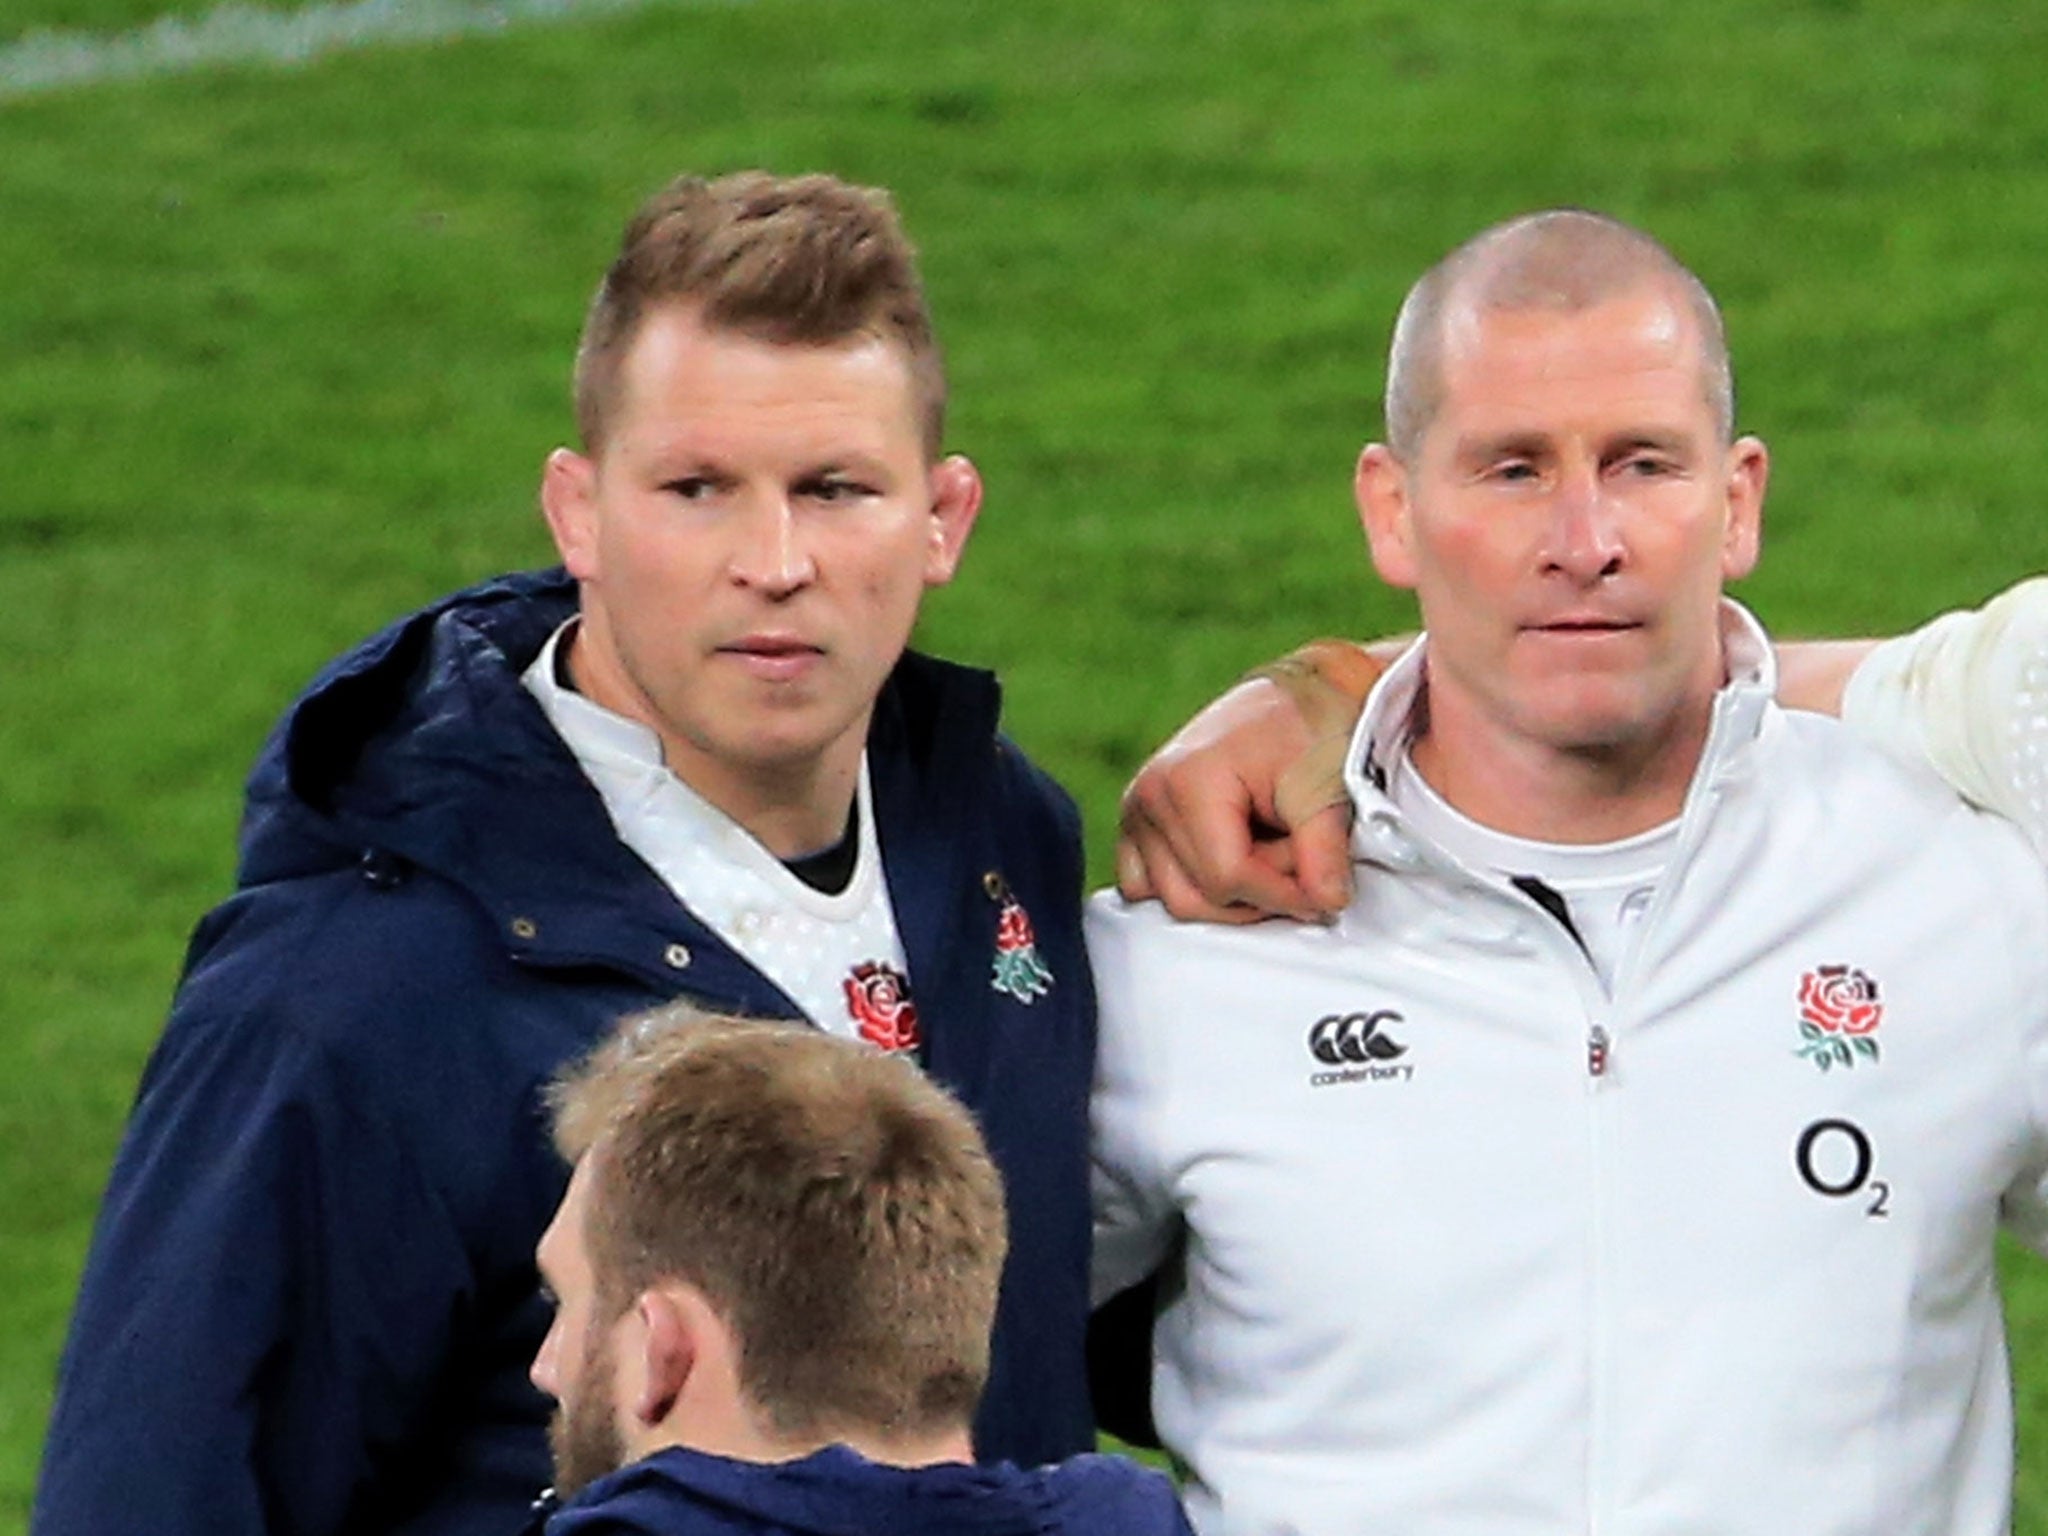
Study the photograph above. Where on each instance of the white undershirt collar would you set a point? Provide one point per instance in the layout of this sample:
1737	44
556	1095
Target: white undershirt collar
1606	887
805	940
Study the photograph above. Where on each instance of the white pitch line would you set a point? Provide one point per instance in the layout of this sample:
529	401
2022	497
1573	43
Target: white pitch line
45	60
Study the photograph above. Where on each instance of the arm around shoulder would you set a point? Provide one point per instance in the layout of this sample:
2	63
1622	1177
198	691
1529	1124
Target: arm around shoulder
1241	815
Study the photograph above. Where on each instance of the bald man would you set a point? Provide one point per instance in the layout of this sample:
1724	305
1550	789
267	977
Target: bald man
1628	1154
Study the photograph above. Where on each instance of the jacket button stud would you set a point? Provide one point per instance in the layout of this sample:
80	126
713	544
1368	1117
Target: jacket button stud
677	955
525	928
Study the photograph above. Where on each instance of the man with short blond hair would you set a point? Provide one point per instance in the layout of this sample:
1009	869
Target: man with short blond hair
833	1208
800	260
1628	1155
775	1269
698	760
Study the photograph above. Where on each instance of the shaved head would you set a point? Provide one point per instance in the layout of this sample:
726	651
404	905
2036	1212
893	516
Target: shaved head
1564	259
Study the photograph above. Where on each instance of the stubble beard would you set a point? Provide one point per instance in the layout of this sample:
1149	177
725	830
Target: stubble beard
583	1434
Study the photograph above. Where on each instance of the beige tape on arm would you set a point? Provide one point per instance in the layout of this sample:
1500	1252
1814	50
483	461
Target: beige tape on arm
1328	680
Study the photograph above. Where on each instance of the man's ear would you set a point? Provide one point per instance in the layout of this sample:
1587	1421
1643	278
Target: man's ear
1381	489
668	1348
1749	471
568	496
956	502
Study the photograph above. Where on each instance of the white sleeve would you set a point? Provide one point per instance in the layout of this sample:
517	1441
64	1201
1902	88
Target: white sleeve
2024	1208
1967	695
1135	1218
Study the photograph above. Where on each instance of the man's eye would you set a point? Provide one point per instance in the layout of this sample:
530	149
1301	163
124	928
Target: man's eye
1647	466
691	487
834	490
1515	470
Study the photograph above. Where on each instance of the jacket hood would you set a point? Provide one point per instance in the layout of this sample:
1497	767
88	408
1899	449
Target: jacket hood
415	719
834	1492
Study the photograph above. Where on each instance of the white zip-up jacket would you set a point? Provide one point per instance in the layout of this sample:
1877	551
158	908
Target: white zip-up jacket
1475	1249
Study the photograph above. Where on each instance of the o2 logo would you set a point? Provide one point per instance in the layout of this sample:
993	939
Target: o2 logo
1835	1159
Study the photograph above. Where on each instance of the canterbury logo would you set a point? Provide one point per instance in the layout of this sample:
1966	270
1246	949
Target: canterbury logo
1340	1037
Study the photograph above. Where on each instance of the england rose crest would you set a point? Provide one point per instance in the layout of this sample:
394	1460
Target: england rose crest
1839	1011
878	1000
1018	971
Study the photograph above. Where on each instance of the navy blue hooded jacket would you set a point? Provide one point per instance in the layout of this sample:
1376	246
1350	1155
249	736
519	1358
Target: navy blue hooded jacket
310	1302
837	1493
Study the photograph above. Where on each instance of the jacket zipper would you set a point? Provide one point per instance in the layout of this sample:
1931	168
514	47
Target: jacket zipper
1598	1008
1599	1346
1602	1007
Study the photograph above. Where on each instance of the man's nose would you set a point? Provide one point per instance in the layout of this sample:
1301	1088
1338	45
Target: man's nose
542	1372
1585	528
771	554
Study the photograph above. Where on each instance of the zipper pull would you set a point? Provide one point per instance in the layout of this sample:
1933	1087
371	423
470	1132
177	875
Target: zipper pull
1596	1051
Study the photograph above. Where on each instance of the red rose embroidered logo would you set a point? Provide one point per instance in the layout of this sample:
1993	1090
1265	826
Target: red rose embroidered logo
1839	1012
878	1000
1019	971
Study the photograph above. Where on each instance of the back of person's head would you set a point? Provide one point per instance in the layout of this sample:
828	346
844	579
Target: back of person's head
835	1207
1563	259
794	261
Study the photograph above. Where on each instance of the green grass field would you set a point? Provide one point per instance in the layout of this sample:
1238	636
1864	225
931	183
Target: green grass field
283	351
